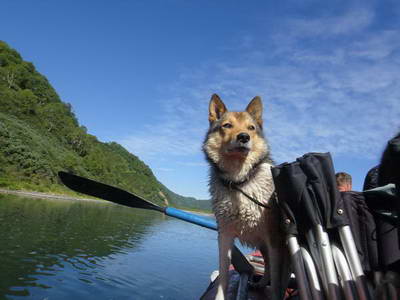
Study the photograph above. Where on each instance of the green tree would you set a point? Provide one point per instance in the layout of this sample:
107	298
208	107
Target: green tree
40	135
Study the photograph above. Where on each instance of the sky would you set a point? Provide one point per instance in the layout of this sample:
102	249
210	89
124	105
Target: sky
141	73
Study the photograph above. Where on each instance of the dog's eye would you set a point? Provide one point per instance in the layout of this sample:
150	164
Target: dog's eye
251	127
227	125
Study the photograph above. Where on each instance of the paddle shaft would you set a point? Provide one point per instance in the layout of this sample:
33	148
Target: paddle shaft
191	218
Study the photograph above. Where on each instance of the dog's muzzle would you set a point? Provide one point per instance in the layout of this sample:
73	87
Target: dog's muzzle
243	138
241	145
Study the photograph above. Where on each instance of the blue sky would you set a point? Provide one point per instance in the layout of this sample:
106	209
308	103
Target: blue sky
142	72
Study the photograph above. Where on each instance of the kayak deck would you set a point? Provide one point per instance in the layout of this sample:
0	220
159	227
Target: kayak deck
257	261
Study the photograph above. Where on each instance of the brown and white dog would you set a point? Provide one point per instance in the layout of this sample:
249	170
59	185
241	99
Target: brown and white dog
240	164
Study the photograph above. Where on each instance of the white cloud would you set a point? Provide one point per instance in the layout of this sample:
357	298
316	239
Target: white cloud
193	164
165	169
337	95
377	46
350	22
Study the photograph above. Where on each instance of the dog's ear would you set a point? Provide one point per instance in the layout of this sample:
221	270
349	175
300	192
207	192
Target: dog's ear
216	109
255	109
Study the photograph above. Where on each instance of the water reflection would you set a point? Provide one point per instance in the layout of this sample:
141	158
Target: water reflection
64	245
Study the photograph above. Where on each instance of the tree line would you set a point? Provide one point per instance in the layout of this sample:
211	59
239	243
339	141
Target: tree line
40	135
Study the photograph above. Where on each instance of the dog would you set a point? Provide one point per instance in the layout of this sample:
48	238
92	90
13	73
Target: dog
242	191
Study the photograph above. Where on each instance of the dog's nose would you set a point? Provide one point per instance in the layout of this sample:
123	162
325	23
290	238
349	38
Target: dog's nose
243	137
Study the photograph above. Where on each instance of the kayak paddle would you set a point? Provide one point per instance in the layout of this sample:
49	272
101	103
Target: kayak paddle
119	196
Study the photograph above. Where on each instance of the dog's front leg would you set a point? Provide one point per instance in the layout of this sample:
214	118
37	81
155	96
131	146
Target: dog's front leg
225	243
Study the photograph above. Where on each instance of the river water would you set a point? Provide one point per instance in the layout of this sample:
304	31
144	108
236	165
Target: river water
58	249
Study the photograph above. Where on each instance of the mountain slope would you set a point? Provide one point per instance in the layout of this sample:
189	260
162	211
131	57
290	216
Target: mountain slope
40	135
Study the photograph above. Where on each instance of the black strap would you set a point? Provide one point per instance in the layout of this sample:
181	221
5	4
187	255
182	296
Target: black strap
220	173
231	185
254	200
234	185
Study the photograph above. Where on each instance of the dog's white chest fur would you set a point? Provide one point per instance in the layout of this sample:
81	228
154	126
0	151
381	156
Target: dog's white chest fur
238	215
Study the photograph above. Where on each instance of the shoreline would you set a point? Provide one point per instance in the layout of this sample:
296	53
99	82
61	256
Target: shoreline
33	194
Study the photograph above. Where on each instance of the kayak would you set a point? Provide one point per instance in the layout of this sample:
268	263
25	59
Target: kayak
257	262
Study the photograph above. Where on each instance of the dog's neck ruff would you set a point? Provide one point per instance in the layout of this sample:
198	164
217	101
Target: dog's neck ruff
254	169
235	185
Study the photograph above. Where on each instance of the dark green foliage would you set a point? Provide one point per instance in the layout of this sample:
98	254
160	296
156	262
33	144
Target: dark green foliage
40	135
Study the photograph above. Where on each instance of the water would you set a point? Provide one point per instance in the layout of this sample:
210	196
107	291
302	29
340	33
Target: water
54	249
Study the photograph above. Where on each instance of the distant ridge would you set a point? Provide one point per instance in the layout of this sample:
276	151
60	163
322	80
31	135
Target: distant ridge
40	135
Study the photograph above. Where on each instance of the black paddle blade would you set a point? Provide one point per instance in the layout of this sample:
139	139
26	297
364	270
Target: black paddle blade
106	192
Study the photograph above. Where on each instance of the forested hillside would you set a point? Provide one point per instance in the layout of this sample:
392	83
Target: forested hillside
40	135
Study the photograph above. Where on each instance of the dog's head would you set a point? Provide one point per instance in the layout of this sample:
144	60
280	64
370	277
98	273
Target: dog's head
235	136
